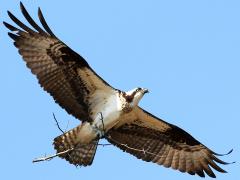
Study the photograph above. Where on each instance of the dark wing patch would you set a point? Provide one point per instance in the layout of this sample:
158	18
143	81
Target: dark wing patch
154	140
60	71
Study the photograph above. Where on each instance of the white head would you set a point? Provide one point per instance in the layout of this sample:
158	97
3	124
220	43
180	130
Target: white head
134	96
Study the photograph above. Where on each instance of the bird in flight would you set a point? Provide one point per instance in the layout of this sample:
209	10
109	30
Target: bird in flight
105	112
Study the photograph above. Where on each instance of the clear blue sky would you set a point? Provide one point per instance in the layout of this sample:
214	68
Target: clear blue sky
186	52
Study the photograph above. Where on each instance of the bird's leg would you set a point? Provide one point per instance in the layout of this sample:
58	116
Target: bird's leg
101	118
100	132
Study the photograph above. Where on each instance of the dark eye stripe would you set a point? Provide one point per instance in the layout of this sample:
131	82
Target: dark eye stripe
138	89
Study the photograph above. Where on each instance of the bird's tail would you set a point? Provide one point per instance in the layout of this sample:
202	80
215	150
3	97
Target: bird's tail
69	148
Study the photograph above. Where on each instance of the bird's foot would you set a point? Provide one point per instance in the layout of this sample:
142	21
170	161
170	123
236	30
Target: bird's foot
100	132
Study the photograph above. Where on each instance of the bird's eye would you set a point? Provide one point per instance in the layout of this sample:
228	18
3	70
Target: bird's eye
138	89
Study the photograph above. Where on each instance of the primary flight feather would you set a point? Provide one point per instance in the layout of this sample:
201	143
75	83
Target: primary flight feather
105	112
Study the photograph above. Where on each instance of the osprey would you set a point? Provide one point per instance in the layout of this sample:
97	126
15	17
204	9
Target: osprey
105	112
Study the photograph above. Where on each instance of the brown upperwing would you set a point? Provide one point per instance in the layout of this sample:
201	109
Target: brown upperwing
154	140
61	72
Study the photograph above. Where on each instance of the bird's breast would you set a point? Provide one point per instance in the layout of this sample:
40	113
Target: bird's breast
106	114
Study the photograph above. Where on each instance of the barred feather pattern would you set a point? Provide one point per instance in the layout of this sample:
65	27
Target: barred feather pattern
146	139
81	154
63	73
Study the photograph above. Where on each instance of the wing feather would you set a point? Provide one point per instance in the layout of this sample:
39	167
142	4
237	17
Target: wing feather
44	23
31	21
168	160
154	140
60	71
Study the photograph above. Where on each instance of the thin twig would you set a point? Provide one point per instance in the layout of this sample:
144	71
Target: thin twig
134	149
67	126
103	145
50	157
57	123
145	152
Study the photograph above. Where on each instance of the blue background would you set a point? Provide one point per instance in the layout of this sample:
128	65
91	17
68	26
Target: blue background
186	52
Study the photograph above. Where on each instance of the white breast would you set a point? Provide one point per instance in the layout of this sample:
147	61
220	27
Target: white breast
106	112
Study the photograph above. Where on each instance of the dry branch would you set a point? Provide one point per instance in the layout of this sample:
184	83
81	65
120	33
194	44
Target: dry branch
50	157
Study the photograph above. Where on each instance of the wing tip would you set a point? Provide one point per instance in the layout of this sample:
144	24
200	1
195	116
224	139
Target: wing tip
13	36
31	22
9	14
39	10
7	25
21	5
213	176
217	154
10	27
44	23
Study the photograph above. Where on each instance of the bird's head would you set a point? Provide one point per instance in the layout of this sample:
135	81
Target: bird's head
134	96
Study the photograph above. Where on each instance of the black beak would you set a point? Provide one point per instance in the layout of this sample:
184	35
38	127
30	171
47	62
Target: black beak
145	91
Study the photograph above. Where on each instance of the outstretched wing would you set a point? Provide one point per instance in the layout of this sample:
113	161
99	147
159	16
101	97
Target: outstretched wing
154	140
60	71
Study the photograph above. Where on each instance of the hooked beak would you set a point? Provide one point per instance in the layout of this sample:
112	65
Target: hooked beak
145	91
